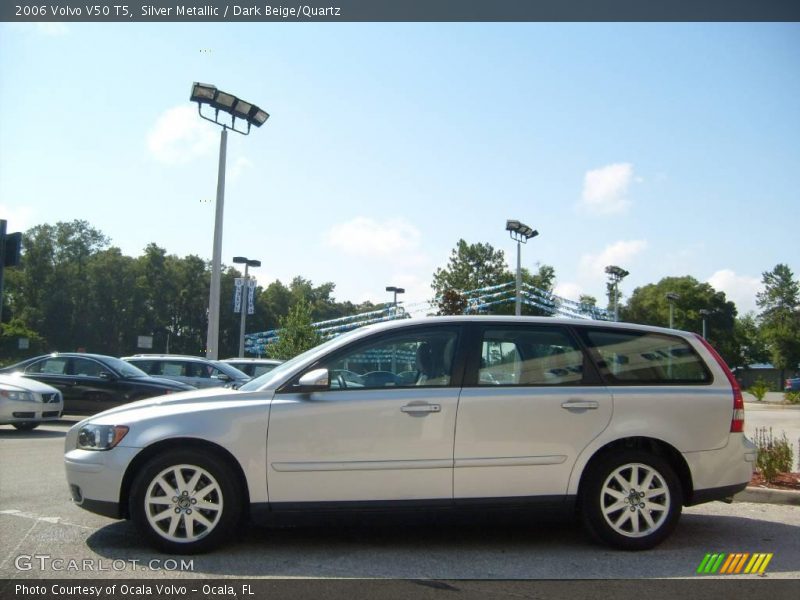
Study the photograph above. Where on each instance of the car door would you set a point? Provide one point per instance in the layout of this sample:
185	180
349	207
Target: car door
93	387
373	438
531	402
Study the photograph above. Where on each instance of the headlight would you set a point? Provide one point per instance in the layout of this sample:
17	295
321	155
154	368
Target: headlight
17	395
100	437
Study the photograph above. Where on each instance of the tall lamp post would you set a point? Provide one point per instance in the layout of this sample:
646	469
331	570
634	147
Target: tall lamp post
615	275
242	260
251	114
520	233
396	290
704	313
672	298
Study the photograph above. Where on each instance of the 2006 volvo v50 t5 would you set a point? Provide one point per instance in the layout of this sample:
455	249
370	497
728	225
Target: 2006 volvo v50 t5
623	423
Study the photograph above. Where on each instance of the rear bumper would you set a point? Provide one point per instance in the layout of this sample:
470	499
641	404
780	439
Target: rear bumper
719	474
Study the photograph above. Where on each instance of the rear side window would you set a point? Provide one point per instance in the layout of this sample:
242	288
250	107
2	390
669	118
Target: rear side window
529	356
642	358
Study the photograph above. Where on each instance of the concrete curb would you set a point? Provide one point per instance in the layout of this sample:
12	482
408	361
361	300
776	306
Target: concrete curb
768	496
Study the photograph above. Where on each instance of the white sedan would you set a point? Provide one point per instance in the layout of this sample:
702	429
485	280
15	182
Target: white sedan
24	403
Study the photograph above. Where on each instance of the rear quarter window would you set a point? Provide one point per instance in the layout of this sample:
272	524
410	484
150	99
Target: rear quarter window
645	358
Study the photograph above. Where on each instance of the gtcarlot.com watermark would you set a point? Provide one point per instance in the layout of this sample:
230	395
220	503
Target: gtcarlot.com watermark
46	562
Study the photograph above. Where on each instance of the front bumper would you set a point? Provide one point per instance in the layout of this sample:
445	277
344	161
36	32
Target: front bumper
20	411
95	478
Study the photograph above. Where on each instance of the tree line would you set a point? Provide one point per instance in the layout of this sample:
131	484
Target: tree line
75	291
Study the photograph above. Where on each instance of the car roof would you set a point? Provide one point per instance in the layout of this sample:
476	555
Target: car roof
500	319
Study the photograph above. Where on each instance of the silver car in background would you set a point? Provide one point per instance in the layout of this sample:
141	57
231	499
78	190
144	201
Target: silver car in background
25	403
623	424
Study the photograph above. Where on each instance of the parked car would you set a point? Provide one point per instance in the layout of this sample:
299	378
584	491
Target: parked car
253	367
623	423
25	403
792	384
193	370
91	383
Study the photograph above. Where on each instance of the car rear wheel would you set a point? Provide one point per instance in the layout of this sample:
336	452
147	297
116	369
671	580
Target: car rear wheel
186	501
26	426
631	500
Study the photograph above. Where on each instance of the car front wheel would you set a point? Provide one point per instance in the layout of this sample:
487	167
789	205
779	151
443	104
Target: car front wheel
186	501
631	500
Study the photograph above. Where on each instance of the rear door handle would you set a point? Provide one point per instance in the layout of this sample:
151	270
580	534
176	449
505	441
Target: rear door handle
416	409
573	404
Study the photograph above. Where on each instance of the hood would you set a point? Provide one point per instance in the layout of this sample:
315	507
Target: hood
191	398
25	384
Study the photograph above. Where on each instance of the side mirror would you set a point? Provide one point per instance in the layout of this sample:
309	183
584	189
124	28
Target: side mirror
107	376
221	377
315	381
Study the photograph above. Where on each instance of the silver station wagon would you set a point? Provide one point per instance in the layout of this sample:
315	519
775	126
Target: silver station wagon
621	424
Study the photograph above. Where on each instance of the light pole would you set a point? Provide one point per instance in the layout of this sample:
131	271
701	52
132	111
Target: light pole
396	290
241	260
615	275
251	114
672	297
520	233
704	312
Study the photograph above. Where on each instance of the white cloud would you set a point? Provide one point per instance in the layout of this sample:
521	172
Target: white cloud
19	218
179	136
738	288
621	253
605	190
365	237
568	290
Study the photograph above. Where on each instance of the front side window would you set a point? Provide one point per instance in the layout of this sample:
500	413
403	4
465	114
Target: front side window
529	356
405	359
86	368
635	357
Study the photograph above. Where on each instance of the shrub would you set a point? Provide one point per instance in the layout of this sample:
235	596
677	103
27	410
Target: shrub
792	397
759	389
775	455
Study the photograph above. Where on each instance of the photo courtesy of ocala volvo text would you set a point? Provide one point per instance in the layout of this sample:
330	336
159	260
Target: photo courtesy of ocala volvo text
621	425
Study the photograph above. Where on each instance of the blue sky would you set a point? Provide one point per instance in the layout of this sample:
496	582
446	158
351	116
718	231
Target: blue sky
667	149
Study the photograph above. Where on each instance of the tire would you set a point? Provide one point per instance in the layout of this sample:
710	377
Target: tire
25	426
186	501
631	500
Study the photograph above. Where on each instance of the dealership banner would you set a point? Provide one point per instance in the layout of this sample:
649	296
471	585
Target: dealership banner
132	11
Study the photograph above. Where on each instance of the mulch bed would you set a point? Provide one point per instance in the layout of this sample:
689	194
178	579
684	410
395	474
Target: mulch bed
784	481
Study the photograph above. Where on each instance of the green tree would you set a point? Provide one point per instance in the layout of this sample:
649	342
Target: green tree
780	316
648	305
296	335
451	302
471	266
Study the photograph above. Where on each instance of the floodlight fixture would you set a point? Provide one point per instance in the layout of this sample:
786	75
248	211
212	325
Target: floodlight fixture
520	231
204	93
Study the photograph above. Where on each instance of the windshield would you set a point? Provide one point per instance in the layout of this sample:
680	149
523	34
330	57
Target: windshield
278	372
125	369
230	370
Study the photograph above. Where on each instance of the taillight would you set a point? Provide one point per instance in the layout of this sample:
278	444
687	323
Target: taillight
737	421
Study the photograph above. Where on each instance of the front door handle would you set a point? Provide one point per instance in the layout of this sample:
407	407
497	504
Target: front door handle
575	404
417	409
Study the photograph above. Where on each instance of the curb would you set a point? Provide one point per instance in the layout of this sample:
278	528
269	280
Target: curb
768	496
